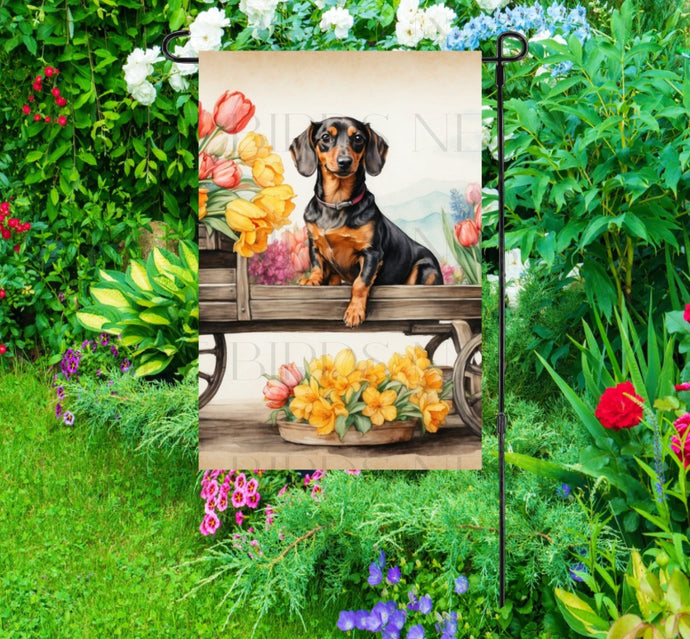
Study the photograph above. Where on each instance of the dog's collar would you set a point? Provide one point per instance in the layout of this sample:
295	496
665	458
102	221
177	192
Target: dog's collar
341	205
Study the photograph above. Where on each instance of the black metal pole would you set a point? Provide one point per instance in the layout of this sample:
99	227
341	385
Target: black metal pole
499	60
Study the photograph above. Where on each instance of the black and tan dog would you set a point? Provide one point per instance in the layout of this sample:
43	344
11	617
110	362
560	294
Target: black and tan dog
349	238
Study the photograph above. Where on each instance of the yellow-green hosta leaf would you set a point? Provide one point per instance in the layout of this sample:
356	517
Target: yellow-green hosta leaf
580	615
189	256
92	321
104	276
162	264
138	273
152	317
110	297
153	366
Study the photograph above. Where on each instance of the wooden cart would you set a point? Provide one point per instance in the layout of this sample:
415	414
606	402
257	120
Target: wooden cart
228	303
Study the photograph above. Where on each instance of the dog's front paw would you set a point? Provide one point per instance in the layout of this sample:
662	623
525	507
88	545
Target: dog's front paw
315	279
354	314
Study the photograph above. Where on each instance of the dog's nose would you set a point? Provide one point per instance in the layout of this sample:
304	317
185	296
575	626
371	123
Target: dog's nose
344	162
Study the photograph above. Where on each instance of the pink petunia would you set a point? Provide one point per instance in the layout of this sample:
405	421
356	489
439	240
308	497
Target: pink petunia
210	506
240	481
239	517
253	500
210	524
239	498
353	472
209	489
222	503
316	491
252	486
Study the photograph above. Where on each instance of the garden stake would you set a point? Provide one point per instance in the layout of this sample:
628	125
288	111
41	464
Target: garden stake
499	60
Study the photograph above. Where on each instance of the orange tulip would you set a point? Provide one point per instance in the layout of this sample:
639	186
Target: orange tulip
205	122
203	198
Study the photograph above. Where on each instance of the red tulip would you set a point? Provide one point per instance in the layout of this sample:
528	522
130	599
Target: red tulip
290	375
226	173
275	393
205	122
467	233
205	165
233	111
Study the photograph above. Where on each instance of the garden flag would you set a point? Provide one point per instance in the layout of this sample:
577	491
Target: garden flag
340	229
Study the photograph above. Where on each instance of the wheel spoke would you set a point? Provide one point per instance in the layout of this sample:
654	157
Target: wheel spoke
205	376
473	369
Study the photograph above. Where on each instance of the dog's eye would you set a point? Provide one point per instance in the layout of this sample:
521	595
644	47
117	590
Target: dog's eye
358	138
325	137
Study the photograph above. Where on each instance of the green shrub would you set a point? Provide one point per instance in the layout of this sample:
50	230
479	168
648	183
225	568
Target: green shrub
154	308
599	158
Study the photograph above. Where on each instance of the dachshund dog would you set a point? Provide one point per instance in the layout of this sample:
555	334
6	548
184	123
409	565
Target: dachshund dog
349	238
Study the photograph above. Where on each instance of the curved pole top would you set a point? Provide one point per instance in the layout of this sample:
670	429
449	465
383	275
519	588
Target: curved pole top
168	39
501	58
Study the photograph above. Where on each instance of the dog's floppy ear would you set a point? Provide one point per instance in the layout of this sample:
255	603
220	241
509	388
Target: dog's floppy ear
375	156
303	152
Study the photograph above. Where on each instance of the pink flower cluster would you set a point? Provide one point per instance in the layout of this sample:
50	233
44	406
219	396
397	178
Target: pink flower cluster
279	389
284	260
311	480
680	442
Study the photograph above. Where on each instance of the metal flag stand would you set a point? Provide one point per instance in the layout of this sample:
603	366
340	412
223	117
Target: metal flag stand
499	60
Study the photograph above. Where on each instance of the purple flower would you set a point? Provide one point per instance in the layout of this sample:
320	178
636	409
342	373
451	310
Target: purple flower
393	575
382	560
98	372
58	410
425	604
85	344
375	575
124	367
68	418
396	619
104	339
577	568
346	620
60	392
415	632
114	351
461	585
563	490
61	296
360	619
448	626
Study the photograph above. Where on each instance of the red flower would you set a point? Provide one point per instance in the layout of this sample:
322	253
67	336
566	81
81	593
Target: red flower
17	248
31	98
38	78
205	122
37	118
37	86
233	111
62	120
467	232
686	313
205	165
27	109
275	393
3	349
680	443
683	387
49	71
47	118
6	234
2	293
26	226
12	222
60	101
226	174
617	408
56	92
5	207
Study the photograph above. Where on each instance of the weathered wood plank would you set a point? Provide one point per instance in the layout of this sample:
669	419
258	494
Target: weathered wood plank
243	309
377	310
217	276
217	292
217	312
421	293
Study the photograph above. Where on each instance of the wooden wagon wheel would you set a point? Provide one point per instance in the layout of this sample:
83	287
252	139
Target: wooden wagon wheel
467	383
213	379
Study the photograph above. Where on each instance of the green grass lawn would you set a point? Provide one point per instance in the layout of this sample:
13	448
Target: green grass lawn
96	541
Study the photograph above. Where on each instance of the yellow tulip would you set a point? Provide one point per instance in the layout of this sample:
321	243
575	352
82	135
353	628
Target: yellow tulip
379	406
419	356
345	362
252	242
434	410
276	201
432	379
253	147
203	198
268	171
375	374
324	414
241	215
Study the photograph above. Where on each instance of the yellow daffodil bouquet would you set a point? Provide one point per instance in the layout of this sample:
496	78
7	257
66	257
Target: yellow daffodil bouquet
241	190
335	394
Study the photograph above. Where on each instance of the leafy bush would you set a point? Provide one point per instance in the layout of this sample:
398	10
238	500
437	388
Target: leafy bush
154	308
600	155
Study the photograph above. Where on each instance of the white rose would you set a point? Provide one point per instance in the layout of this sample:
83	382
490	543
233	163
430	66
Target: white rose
144	93
340	19
409	32
185	68
407	9
439	19
260	13
139	65
178	82
489	6
206	32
